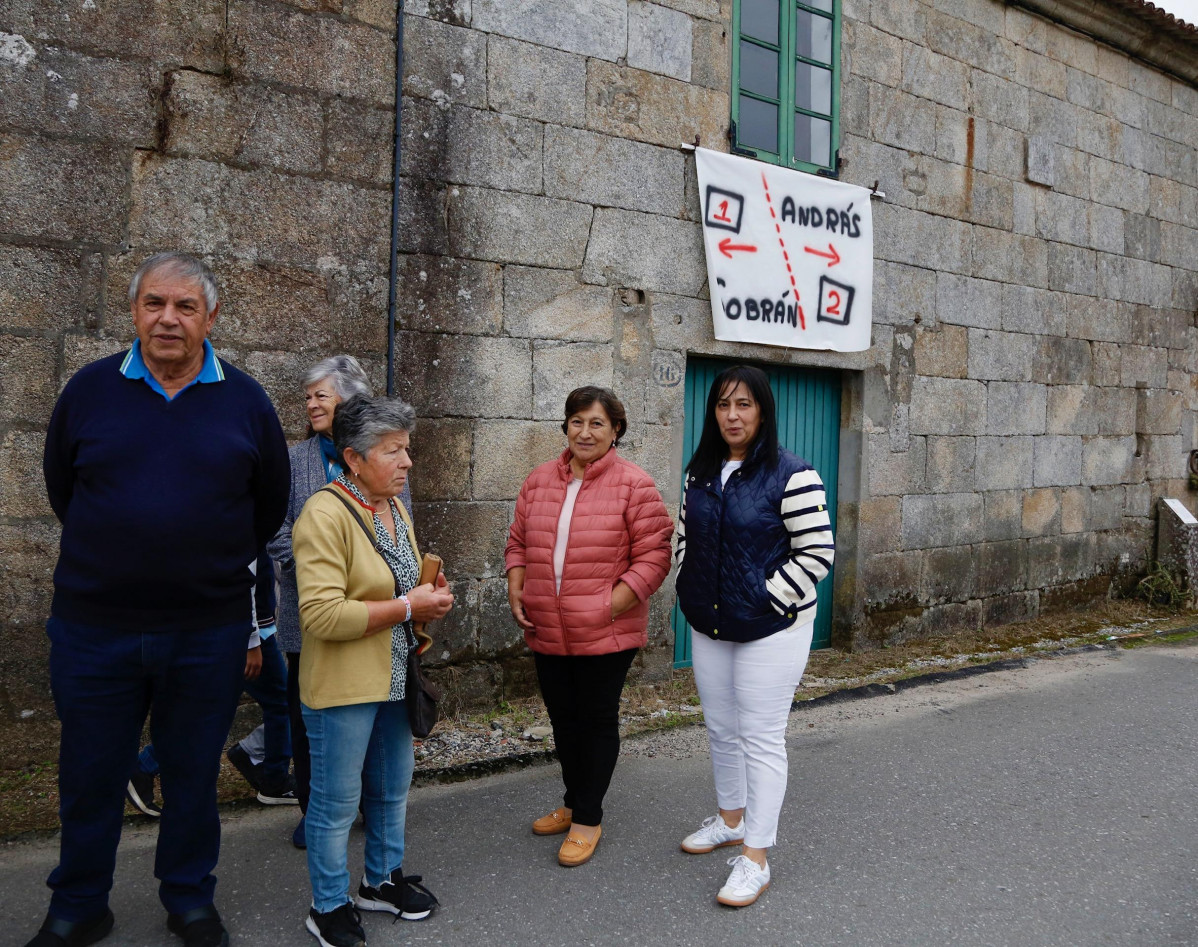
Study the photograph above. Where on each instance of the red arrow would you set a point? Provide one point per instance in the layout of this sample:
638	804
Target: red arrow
833	258
727	246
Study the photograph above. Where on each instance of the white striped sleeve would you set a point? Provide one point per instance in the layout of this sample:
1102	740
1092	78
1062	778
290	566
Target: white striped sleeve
805	512
680	532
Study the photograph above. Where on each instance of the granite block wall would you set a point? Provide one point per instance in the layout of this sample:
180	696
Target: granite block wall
1050	398
1028	396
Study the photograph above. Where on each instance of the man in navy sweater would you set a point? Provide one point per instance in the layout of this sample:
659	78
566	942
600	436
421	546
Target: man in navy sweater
168	471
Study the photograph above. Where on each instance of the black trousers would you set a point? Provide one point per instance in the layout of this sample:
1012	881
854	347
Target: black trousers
582	695
301	759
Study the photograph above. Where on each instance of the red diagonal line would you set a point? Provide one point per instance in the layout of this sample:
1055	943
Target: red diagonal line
785	255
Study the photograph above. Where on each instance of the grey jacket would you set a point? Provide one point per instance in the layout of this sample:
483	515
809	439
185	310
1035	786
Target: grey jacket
307	476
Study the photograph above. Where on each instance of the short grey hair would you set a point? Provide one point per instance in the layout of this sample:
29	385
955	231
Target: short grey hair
344	371
362	422
180	264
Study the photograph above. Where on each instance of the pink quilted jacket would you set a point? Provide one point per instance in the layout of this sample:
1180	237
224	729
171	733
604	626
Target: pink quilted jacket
620	531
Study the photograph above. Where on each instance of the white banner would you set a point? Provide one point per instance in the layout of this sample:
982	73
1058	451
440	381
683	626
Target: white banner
790	256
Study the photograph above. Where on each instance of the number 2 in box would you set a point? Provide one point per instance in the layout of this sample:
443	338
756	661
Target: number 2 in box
835	301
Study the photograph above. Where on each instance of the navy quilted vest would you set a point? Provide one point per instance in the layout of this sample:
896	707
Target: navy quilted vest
735	538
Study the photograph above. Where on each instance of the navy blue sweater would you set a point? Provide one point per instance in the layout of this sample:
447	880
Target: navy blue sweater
163	504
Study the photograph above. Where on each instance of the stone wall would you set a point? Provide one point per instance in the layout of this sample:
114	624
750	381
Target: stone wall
1028	395
1036	289
229	129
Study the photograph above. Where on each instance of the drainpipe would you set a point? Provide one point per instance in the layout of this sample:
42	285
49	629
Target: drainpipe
395	202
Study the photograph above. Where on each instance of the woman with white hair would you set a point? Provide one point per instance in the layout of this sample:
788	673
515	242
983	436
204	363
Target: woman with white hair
314	463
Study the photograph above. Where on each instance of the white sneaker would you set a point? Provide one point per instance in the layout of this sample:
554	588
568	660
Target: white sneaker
714	833
746	882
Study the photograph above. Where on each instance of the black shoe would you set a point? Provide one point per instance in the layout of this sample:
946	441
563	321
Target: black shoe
278	792
403	895
248	768
141	793
56	932
199	928
338	928
299	838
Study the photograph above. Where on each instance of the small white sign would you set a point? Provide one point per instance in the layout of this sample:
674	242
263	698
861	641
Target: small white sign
790	256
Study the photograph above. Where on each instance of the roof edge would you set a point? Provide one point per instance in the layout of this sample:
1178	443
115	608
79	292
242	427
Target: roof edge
1137	27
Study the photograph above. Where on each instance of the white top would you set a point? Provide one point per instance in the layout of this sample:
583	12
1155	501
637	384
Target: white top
563	530
727	469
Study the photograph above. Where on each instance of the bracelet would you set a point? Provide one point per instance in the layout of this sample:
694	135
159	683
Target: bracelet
408	605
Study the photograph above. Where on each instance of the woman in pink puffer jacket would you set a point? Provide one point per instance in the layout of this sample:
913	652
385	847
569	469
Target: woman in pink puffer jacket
590	543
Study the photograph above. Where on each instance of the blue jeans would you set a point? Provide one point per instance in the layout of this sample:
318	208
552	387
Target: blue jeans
270	691
358	751
104	681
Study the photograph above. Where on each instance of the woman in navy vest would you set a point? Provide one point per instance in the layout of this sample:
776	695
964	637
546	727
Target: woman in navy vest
754	539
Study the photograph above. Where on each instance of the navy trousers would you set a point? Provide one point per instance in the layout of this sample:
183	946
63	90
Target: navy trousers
104	682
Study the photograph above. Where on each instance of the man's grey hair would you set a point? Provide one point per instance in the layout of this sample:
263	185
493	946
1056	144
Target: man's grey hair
362	422
344	371
180	264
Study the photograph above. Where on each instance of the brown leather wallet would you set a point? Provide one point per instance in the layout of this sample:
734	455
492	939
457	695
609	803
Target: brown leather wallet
430	568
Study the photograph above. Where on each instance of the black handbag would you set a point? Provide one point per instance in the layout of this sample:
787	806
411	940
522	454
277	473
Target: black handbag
420	694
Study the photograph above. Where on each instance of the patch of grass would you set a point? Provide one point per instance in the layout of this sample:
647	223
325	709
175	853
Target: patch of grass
512	715
1162	588
1177	637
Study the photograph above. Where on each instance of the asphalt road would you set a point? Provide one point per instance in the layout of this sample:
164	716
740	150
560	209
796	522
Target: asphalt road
1053	805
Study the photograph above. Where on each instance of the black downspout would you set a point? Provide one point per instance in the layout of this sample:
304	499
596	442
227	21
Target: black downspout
395	202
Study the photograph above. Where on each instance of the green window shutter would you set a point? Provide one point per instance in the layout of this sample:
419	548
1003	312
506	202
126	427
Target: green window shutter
786	82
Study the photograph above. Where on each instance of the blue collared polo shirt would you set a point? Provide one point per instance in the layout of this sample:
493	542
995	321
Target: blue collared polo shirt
134	366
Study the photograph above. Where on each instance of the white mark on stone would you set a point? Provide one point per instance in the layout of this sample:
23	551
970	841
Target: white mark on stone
89	5
73	101
457	79
436	362
26	714
53	76
423	275
440	99
464	294
15	50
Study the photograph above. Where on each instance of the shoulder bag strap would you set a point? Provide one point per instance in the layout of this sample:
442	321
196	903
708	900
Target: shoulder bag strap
336	491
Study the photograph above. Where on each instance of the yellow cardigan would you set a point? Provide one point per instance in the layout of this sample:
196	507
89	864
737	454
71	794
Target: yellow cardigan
338	571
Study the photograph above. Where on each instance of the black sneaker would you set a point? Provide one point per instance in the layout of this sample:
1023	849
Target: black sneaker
278	792
141	793
199	928
244	765
59	933
402	894
338	928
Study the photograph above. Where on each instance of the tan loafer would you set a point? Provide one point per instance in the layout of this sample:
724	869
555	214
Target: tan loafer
575	851
555	823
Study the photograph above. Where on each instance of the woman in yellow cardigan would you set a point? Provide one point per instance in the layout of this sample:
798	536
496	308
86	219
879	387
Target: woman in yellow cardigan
356	566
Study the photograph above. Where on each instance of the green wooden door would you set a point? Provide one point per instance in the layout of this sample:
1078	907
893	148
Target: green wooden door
808	402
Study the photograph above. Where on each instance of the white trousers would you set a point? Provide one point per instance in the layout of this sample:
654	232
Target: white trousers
746	689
